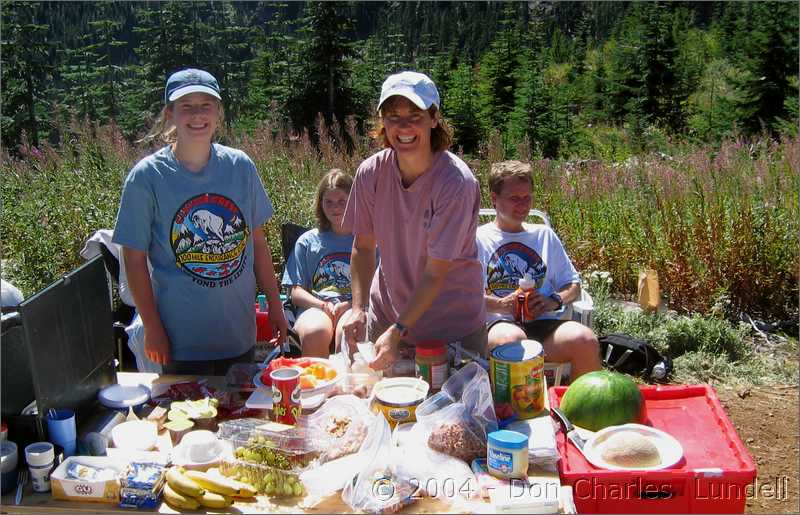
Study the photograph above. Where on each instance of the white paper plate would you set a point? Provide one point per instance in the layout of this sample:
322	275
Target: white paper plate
118	396
668	447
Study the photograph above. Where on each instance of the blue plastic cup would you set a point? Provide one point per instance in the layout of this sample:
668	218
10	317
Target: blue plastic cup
61	429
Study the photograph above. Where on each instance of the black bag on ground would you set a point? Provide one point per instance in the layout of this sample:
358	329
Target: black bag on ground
628	355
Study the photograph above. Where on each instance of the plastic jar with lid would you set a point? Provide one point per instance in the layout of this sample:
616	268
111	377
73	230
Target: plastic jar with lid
432	363
507	454
40	457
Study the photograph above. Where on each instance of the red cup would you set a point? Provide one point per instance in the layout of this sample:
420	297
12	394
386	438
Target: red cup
263	327
286	395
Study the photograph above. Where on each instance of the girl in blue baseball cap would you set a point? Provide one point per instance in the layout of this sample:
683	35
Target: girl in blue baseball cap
193	213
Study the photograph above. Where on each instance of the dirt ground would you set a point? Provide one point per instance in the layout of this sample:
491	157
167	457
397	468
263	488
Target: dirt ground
767	421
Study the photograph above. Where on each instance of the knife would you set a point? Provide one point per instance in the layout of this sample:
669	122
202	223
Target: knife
569	430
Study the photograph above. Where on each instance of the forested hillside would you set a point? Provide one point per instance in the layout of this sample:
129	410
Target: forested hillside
554	77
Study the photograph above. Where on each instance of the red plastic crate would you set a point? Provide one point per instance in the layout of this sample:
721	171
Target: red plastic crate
712	476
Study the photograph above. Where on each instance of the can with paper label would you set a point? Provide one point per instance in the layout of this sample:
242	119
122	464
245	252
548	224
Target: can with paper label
516	374
286	395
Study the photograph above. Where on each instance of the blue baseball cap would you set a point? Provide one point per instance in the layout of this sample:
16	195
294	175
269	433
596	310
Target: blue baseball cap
190	81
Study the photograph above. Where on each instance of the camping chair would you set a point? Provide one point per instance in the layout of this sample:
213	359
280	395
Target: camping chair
290	232
579	310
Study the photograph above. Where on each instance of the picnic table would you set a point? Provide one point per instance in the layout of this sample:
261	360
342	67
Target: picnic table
43	502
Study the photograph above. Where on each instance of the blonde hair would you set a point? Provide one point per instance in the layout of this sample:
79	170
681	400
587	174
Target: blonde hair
441	135
335	179
505	170
163	129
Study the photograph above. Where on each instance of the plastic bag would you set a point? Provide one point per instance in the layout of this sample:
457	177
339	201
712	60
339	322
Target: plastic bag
342	424
330	477
379	486
438	475
457	420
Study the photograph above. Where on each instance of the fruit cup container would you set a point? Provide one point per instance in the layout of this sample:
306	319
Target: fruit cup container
267	480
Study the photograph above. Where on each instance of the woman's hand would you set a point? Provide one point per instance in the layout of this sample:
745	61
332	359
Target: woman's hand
329	309
387	349
339	310
355	328
156	344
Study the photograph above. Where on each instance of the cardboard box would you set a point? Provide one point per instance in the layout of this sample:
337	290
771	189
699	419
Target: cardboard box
105	491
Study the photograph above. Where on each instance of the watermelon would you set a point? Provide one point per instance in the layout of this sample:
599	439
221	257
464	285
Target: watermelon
603	398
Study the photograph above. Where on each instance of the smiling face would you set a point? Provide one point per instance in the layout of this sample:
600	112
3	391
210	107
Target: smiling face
513	203
333	203
408	128
196	117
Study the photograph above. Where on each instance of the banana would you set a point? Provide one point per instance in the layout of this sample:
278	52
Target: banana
212	500
216	484
181	483
245	489
178	501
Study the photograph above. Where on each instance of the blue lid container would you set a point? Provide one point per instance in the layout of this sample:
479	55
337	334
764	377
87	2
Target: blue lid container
508	439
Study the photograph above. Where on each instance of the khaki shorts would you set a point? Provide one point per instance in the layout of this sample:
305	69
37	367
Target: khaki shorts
476	342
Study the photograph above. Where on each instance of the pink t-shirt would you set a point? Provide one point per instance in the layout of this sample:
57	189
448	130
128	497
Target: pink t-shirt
437	216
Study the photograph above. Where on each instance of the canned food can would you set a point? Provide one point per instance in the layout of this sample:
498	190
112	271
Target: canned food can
516	374
286	395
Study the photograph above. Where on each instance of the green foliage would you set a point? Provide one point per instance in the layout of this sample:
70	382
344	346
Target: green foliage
26	73
325	51
704	349
772	59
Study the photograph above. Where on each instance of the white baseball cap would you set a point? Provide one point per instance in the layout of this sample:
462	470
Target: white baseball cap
415	86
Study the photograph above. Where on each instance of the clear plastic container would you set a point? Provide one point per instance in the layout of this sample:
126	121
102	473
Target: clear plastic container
270	443
270	481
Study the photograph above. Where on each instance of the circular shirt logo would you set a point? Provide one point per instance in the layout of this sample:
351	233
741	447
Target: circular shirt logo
209	237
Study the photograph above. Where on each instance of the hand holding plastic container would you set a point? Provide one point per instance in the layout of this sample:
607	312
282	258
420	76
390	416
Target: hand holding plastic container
527	285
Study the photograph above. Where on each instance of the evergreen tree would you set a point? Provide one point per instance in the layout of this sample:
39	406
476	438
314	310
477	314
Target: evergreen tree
460	106
326	53
497	72
771	60
26	73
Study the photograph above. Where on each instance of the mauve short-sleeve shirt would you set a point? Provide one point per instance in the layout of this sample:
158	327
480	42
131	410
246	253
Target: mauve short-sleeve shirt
436	216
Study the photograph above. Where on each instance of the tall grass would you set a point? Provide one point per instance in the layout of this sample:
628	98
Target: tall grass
716	223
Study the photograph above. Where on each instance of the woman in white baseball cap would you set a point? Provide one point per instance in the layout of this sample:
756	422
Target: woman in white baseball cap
190	223
418	203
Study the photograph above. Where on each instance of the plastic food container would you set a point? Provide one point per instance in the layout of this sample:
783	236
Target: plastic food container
270	481
507	454
398	397
712	477
117	396
432	363
8	465
277	445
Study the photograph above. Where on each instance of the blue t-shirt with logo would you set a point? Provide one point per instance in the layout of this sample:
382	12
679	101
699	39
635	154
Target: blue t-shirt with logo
197	231
320	263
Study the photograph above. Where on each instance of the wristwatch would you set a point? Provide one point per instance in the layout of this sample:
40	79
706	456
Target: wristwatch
400	327
556	297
